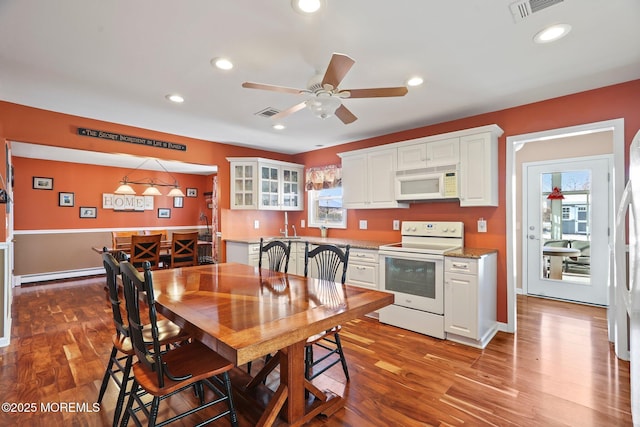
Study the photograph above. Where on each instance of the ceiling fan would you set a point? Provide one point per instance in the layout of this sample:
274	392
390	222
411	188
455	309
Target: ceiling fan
325	98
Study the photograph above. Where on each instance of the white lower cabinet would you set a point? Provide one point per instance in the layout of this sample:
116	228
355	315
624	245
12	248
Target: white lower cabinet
243	253
362	268
470	286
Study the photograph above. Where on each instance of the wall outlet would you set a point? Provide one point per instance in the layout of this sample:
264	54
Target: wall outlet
302	223
363	224
256	224
482	225
396	224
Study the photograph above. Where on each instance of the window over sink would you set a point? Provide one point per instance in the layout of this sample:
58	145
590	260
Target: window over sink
325	208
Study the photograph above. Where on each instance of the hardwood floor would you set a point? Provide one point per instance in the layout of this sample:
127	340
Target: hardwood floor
558	370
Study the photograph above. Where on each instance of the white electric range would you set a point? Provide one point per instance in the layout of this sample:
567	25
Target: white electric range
413	270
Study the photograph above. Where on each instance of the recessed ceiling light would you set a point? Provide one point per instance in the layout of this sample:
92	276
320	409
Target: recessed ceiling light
279	126
175	98
415	81
306	6
552	33
222	63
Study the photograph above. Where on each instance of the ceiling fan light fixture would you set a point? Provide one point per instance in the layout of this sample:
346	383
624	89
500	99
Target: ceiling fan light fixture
552	33
323	106
306	7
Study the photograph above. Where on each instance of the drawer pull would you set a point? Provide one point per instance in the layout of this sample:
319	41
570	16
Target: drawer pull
460	266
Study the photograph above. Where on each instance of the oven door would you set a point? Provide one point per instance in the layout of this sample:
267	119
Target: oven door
415	279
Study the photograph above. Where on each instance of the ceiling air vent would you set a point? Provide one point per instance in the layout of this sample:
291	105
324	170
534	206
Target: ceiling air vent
523	8
267	112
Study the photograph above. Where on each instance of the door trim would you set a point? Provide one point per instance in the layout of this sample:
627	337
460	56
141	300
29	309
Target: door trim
514	143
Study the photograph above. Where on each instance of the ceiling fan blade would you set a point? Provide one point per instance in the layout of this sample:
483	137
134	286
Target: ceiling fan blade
290	110
338	67
345	115
380	92
283	89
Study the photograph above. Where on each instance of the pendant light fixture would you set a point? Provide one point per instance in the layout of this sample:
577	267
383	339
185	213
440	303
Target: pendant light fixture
151	183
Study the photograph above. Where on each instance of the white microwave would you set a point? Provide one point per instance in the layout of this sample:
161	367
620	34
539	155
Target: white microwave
426	185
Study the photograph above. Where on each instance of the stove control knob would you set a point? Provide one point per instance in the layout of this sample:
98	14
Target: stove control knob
453	229
445	229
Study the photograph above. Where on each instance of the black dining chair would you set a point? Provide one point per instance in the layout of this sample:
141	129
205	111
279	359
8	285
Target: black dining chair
326	262
121	357
164	374
277	254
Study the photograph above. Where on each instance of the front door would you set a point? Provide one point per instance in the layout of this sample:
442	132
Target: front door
566	222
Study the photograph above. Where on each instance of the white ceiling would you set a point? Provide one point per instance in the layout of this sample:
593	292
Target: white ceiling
116	60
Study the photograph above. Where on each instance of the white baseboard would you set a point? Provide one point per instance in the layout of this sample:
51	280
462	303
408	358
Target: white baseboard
55	275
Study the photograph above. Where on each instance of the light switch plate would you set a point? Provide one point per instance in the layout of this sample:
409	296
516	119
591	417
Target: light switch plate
256	224
482	225
396	224
302	223
363	224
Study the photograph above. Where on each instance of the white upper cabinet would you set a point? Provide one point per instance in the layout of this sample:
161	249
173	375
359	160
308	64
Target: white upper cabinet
422	155
244	185
266	184
479	170
368	179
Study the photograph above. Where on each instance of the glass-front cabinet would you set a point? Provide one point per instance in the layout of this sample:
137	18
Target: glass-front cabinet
258	183
291	188
243	185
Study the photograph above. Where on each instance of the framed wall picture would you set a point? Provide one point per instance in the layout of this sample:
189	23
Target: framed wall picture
178	202
65	199
164	213
40	183
88	212
192	192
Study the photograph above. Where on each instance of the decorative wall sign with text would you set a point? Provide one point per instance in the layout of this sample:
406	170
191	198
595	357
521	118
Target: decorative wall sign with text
130	139
120	202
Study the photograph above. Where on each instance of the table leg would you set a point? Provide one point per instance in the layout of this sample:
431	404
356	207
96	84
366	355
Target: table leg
555	267
290	394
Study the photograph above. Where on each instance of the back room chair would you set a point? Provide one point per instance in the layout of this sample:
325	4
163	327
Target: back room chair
184	249
145	248
326	262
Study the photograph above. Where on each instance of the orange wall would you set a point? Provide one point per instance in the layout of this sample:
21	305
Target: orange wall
38	209
612	102
32	125
27	124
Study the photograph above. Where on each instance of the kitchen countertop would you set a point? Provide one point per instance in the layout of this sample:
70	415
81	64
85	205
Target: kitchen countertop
359	244
470	252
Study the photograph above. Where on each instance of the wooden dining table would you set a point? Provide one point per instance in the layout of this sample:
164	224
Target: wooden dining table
244	313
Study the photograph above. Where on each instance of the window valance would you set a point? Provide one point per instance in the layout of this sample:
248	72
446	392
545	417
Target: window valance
321	177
